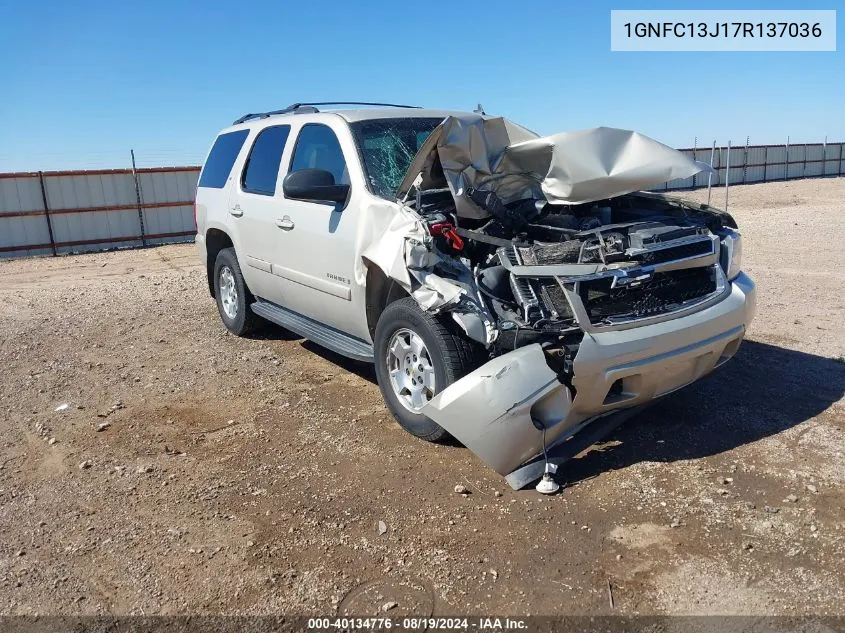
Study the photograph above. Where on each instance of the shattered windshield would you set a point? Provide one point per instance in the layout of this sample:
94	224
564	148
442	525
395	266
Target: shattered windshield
387	148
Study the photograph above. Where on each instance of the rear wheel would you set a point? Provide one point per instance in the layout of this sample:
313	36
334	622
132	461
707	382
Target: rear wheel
417	356
233	296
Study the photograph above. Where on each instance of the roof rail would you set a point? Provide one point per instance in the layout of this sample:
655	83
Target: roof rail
308	108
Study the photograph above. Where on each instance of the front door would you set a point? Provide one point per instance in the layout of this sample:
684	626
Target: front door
315	248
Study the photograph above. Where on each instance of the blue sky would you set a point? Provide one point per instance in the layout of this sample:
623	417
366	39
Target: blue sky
84	82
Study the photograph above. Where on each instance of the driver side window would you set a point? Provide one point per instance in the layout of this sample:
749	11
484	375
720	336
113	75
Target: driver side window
317	147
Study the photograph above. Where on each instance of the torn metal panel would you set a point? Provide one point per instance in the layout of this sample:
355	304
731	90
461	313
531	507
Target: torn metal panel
494	154
491	410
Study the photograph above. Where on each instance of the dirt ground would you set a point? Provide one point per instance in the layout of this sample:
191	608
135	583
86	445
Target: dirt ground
195	472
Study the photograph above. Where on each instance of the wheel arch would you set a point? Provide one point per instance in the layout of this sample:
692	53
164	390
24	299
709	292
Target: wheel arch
381	291
215	241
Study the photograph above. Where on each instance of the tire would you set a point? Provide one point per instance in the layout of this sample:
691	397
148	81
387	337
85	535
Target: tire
233	296
448	353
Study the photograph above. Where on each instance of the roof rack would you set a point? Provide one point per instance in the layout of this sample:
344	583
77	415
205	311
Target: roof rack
309	108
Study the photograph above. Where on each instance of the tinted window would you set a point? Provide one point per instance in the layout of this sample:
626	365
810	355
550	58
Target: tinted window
262	166
387	148
221	158
318	148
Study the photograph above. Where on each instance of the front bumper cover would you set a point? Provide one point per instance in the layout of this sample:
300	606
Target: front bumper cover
505	410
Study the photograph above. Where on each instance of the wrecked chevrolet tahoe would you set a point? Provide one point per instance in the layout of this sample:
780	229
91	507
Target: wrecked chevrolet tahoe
516	292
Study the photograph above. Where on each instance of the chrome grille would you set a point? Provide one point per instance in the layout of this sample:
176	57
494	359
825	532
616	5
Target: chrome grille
682	251
662	292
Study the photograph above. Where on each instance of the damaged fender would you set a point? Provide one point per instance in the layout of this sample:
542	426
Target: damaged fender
493	410
395	242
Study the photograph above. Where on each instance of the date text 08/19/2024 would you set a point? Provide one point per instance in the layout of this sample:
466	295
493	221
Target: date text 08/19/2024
418	624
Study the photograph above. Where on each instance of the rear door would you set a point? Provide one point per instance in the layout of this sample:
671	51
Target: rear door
253	202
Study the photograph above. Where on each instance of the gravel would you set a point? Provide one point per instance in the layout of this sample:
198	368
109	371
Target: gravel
246	475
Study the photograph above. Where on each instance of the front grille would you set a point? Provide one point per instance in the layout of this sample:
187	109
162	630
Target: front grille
554	298
550	253
521	287
662	293
683	251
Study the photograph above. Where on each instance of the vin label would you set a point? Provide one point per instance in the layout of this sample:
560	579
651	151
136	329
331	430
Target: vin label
723	30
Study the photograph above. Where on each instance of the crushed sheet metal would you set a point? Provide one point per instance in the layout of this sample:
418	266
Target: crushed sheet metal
603	162
433	292
491	409
474	326
393	239
383	235
475	322
468	148
571	167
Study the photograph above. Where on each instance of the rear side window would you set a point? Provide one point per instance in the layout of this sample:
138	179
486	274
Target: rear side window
221	158
317	147
262	166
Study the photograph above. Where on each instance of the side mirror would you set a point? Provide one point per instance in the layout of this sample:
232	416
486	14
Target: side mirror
316	185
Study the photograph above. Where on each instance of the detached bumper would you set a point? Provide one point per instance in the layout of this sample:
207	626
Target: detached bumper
499	410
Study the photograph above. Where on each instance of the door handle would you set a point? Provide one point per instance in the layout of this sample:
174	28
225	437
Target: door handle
285	223
236	211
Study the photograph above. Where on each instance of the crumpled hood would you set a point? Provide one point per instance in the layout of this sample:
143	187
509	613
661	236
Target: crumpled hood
494	154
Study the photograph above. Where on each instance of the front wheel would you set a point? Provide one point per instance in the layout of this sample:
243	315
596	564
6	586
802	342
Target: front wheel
416	357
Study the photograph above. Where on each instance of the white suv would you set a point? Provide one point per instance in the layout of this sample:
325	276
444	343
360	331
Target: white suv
510	289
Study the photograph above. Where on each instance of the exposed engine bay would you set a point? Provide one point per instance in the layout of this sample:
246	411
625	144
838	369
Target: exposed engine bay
588	294
547	272
540	239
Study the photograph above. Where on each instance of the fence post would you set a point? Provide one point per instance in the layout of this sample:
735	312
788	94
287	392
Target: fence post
839	167
745	161
786	165
694	151
824	157
727	174
766	163
804	168
138	198
710	174
47	212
